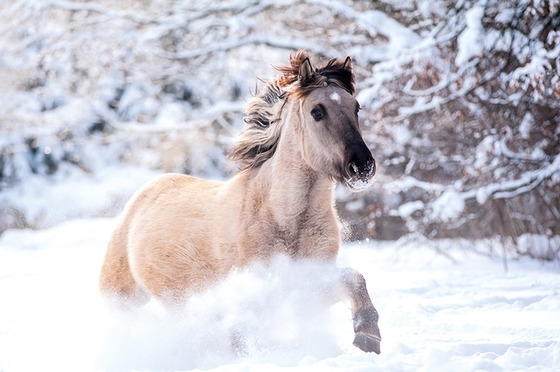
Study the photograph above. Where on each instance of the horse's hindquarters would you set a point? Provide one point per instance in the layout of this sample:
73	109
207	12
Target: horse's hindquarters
169	236
116	282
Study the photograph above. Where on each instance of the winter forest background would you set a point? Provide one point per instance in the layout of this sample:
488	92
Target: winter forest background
460	107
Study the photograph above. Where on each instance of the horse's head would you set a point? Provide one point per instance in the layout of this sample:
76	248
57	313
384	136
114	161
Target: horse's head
326	124
329	131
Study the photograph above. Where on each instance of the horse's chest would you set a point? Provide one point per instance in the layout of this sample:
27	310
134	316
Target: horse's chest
301	240
304	235
285	241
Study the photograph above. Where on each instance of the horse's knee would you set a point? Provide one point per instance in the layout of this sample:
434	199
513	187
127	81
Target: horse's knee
352	276
355	283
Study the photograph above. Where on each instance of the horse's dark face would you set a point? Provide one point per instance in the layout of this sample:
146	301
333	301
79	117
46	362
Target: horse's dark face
331	139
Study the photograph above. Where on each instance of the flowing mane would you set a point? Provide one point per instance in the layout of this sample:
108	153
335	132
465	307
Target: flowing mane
257	142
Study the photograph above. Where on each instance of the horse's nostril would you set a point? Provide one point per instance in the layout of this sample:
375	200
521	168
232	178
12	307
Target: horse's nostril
353	169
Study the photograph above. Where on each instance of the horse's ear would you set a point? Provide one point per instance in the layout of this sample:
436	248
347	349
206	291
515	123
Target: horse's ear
348	64
306	72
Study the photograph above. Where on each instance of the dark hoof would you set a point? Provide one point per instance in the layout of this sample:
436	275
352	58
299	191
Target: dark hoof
368	337
367	343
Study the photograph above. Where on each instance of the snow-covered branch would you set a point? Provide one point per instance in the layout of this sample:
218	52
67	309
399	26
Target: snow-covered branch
512	188
375	22
257	39
94	7
450	204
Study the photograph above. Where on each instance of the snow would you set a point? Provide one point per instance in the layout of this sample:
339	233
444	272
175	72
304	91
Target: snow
448	206
525	125
335	97
405	210
69	194
115	63
463	314
375	22
358	184
378	22
401	134
469	41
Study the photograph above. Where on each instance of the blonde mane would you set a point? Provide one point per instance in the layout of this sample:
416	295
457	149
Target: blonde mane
257	142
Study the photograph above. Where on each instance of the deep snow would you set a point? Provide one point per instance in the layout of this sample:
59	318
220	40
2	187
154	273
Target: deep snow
435	314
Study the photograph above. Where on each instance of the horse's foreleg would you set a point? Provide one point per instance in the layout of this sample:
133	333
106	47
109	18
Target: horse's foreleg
364	315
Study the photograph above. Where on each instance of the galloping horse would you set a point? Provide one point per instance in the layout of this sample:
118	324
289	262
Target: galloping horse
179	234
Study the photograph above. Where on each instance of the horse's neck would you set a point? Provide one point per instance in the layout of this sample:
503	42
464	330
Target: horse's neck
294	191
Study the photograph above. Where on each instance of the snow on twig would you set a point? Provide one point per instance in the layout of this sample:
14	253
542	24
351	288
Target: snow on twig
374	22
406	183
512	188
451	203
256	39
93	7
503	149
214	112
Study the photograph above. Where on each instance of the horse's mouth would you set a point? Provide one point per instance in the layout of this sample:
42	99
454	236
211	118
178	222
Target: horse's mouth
358	184
358	179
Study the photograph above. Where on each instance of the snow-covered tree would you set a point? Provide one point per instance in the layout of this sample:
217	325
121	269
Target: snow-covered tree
468	121
460	100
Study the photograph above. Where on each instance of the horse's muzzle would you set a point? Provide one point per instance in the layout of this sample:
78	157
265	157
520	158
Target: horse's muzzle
360	173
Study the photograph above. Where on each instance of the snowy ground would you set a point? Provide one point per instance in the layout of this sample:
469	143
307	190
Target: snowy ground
436	315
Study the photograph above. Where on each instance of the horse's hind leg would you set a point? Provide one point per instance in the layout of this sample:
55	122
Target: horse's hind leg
364	315
116	282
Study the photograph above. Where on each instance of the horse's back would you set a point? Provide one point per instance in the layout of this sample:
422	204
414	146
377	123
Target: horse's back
159	242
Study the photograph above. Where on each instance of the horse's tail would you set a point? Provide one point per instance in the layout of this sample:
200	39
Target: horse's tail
116	282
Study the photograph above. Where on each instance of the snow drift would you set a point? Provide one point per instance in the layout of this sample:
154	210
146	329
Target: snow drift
461	312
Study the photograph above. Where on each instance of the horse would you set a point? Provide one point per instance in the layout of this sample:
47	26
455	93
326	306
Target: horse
179	234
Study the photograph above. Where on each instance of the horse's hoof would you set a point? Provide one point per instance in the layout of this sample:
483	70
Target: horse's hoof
367	343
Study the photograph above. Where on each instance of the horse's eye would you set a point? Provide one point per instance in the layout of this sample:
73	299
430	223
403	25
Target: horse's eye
317	114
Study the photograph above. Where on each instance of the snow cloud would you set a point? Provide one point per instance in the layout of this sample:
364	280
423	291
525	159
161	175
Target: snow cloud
277	315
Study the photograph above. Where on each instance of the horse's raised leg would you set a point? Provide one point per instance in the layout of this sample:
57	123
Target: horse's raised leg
364	315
